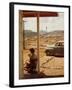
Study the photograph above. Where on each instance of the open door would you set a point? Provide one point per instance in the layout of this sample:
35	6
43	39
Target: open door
31	37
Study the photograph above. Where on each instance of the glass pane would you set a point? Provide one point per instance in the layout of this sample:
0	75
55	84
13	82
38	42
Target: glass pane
51	45
30	44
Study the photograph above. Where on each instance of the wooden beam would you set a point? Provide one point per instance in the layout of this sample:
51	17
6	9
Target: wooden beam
41	14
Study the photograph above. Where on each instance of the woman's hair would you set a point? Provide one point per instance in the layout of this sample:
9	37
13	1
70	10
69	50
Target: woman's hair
32	50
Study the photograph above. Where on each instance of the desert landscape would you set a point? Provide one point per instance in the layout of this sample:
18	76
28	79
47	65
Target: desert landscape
50	66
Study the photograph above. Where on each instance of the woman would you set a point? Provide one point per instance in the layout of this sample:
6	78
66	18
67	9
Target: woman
31	66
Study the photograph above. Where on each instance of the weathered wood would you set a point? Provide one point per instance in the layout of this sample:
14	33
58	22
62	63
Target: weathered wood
41	14
21	74
38	42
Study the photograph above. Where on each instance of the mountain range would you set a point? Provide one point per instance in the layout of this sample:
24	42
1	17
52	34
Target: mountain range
29	33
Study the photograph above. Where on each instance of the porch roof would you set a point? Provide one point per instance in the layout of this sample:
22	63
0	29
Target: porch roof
39	13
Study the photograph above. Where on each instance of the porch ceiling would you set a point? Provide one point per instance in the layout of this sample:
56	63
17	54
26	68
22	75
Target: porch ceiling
39	13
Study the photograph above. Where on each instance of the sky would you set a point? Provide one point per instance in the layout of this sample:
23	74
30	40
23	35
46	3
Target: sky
47	24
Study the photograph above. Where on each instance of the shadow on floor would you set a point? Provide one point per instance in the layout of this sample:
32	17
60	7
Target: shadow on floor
40	75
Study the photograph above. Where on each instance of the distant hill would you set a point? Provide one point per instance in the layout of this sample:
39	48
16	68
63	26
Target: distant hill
42	32
55	33
29	33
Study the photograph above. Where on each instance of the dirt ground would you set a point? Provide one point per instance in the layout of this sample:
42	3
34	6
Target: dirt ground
49	65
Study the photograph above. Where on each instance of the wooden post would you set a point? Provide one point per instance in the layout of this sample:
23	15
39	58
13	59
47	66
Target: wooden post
38	42
21	73
23	34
